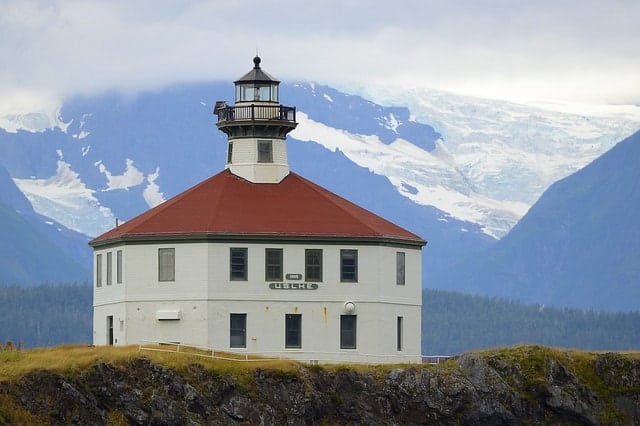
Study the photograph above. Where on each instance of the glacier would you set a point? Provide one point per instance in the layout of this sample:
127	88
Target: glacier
494	158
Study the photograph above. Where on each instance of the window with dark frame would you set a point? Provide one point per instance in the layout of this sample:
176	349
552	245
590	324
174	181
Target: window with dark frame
230	152
109	268
348	331
119	267
166	264
348	265
98	270
237	330
293	331
399	334
273	264
238	263
265	151
400	268
313	265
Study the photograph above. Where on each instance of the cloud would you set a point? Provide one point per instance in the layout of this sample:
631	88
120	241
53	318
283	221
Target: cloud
502	49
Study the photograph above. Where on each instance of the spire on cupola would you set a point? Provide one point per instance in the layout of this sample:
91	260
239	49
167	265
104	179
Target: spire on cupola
256	128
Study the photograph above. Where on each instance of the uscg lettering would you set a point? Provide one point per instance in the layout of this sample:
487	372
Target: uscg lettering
293	286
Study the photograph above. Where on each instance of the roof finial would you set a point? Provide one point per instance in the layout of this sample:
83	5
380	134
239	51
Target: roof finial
256	61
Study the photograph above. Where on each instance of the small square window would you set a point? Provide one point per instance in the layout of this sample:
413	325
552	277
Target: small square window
265	152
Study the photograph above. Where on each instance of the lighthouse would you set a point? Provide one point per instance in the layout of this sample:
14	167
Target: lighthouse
258	260
256	128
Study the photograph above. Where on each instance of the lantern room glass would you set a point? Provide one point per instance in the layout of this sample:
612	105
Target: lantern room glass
255	92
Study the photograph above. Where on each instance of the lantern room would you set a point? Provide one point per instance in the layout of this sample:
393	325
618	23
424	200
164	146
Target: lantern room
257	86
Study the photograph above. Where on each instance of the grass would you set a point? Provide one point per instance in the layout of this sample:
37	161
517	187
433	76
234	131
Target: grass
69	358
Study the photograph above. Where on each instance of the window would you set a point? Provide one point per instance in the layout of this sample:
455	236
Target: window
273	264
238	330
400	268
264	93
98	270
293	331
399	334
265	152
238	264
109	268
348	331
247	92
166	264
119	267
313	265
349	265
230	152
110	330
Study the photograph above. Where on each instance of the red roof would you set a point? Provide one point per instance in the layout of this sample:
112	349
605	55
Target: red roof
228	205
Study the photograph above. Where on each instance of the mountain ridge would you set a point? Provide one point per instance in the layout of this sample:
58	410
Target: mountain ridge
577	246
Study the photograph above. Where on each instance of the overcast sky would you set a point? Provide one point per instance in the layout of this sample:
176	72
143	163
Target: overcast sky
579	50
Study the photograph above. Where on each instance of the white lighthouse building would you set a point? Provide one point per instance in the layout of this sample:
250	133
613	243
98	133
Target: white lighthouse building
257	259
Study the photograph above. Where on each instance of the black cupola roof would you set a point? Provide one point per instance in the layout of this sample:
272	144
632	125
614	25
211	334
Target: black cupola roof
257	75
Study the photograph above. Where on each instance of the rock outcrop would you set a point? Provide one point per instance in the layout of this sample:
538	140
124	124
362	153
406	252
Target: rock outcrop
532	385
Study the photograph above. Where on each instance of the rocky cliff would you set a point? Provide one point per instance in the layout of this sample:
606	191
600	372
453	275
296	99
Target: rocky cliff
528	384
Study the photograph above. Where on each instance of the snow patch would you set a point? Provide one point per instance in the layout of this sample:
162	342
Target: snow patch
30	111
67	200
392	122
426	178
130	178
328	98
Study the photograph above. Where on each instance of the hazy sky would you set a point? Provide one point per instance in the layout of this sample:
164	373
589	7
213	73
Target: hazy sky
581	50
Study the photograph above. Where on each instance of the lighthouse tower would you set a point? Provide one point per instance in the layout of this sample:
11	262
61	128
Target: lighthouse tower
256	128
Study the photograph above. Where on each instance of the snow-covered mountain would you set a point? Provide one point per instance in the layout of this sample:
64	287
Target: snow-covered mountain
578	246
494	158
458	171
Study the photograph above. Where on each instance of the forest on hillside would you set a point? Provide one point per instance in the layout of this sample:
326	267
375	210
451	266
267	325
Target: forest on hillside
46	315
452	323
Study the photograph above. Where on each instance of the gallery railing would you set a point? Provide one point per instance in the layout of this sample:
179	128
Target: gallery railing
255	112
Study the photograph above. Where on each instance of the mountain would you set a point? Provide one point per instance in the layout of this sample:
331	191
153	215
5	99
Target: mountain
435	165
35	249
579	245
496	158
115	156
